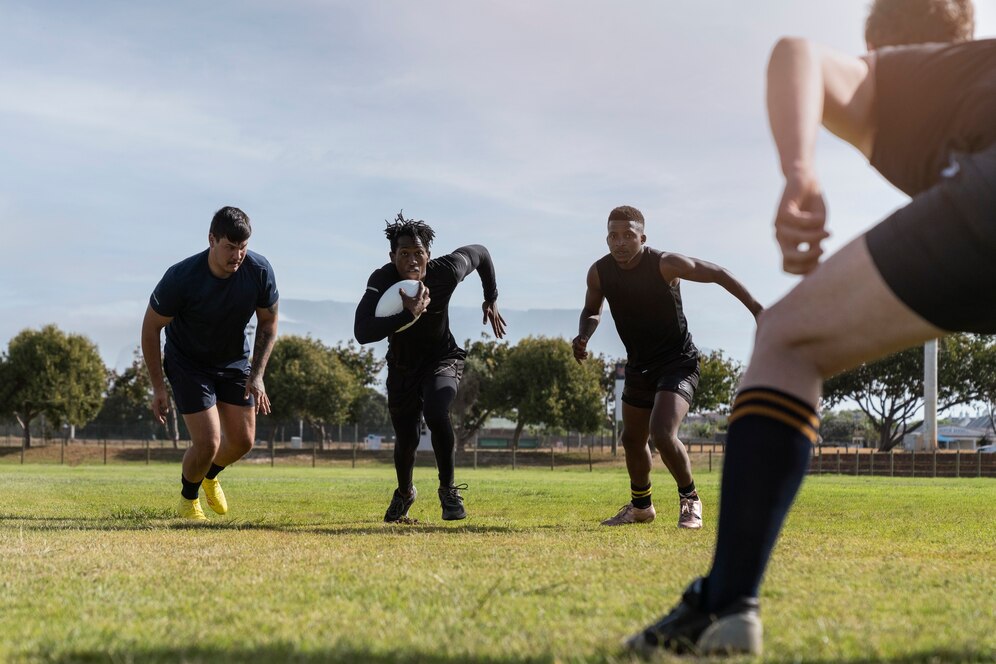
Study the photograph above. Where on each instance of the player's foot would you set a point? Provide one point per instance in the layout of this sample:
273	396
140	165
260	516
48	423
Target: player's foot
190	509
630	514
215	496
452	502
397	511
689	511
688	628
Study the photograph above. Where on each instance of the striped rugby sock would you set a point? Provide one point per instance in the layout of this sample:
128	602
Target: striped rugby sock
769	442
641	495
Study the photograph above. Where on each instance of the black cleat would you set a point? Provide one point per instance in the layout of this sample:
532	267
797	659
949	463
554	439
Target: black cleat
452	502
690	629
397	511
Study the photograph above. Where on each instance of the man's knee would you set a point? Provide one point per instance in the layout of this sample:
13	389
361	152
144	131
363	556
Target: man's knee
781	336
665	442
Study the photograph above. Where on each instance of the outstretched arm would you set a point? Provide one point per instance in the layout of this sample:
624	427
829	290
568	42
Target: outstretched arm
676	266
266	336
591	315
478	258
809	85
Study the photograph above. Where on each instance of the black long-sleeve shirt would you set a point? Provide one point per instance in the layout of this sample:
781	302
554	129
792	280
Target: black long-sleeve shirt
429	339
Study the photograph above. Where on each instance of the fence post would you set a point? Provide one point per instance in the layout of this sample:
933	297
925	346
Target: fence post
148	451
514	449
551	455
22	450
354	451
857	462
978	465
710	461
314	452
590	469
838	462
105	451
892	463
819	462
62	453
958	463
935	463
475	452
273	453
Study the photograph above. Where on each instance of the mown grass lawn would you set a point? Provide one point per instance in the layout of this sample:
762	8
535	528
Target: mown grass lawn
93	568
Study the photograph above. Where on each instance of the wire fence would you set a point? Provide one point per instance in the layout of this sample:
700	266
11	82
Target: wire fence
491	449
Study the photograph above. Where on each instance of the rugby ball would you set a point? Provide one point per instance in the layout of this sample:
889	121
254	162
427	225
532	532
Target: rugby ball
390	302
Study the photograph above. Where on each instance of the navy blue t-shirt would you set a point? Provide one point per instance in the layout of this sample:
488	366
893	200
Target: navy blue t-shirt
210	314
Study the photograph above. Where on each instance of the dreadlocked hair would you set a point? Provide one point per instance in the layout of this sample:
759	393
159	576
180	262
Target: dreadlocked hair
416	229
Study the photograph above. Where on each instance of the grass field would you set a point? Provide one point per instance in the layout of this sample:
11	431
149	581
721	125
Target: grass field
93	568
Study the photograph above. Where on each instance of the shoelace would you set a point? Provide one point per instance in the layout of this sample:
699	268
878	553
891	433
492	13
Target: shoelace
452	491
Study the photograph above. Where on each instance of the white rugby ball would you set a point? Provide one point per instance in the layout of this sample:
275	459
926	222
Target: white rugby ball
390	302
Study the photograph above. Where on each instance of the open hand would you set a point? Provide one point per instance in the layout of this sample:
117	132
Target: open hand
255	387
492	315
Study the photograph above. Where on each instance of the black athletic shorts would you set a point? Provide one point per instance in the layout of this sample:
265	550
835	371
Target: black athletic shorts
643	384
197	388
938	254
406	389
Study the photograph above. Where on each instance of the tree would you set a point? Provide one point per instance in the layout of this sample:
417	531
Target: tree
370	410
362	362
478	397
890	390
719	377
845	425
127	400
543	384
306	380
53	373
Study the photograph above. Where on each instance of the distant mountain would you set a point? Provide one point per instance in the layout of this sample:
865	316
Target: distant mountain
332	322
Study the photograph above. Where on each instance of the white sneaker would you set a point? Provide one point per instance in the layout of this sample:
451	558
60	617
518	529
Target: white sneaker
630	514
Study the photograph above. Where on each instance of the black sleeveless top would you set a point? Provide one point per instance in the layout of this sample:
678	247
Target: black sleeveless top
647	311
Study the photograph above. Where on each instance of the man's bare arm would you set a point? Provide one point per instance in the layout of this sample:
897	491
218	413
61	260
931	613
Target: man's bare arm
152	326
676	266
266	336
591	315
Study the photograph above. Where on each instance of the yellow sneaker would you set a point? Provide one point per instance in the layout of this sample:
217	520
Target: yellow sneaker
215	496
190	509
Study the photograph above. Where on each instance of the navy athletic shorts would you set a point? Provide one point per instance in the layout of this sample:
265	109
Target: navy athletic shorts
643	383
197	388
938	254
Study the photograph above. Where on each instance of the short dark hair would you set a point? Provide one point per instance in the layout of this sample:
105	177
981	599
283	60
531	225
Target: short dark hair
232	223
903	22
627	213
415	229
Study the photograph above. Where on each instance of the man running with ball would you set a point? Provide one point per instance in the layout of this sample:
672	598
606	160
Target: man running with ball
424	363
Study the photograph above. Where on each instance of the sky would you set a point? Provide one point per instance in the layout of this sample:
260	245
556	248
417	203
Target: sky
517	125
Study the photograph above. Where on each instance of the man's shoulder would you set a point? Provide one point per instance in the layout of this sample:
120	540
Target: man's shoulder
385	275
191	265
257	261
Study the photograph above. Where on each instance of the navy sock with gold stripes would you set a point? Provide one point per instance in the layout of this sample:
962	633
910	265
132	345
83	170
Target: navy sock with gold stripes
641	495
768	446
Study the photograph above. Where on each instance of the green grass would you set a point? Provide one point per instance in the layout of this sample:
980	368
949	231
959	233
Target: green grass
93	568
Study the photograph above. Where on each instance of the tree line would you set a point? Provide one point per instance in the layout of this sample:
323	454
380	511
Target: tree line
534	383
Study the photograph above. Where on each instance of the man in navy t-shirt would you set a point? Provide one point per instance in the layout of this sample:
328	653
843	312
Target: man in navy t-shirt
205	303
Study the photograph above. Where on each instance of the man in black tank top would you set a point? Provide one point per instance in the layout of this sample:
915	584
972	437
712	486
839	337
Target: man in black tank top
924	117
424	363
642	286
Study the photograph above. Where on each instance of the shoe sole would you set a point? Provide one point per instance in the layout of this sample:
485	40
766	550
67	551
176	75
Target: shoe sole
457	517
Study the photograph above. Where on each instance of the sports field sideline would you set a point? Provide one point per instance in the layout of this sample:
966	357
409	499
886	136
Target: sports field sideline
96	569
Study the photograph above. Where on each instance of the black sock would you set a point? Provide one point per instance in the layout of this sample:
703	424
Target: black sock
769	443
687	491
641	495
190	489
213	472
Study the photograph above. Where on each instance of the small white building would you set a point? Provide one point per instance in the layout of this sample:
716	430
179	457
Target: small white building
949	437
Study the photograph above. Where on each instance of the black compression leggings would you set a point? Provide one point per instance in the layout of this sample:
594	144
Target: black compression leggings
437	394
